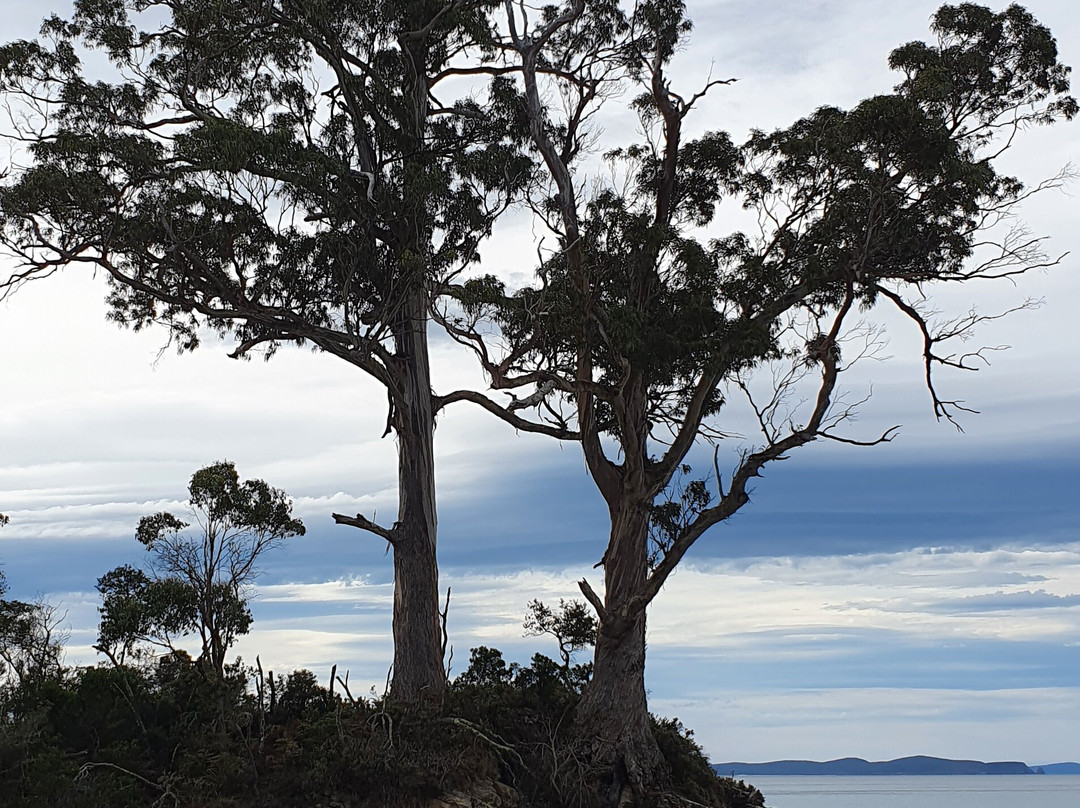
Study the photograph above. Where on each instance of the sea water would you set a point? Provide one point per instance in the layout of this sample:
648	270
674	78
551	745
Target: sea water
920	791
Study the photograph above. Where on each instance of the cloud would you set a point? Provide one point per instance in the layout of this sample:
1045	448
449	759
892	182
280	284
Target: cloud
850	620
998	601
1030	724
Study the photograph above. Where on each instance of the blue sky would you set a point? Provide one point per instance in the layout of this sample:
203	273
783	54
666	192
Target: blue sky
917	598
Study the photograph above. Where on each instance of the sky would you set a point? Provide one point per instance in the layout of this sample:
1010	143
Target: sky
921	597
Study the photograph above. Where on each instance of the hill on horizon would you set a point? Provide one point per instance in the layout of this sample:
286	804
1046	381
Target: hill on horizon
913	765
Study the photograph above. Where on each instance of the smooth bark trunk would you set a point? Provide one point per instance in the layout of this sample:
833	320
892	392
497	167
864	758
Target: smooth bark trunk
418	664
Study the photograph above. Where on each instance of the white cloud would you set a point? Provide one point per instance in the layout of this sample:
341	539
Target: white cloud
765	613
760	610
1036	725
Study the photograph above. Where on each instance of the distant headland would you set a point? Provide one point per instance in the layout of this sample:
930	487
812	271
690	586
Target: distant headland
915	765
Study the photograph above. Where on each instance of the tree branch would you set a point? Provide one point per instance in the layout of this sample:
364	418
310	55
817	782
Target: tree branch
362	522
555	431
594	599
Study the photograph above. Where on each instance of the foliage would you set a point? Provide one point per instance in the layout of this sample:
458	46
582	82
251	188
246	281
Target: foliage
31	641
692	771
277	173
224	184
574	628
122	736
199	581
220	185
160	732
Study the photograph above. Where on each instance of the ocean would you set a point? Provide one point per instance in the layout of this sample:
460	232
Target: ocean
953	791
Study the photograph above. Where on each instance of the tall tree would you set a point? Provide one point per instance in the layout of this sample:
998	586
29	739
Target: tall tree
200	580
650	330
277	172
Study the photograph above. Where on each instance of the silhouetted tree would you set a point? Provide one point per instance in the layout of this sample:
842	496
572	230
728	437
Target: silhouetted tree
574	628
648	328
200	579
32	640
278	172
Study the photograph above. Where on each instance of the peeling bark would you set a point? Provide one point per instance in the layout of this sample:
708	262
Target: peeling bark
418	667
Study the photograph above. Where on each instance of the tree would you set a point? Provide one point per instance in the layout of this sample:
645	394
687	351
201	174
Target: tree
200	580
278	172
574	628
31	640
650	331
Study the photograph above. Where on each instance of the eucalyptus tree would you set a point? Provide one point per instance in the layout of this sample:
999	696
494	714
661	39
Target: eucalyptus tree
651	323
199	580
32	640
275	172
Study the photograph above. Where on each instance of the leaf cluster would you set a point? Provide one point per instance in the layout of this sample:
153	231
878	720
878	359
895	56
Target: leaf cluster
199	579
894	192
274	172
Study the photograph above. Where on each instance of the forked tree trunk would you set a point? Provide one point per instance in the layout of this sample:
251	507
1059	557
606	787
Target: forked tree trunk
418	664
614	710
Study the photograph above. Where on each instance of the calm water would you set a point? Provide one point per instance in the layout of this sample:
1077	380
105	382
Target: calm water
954	791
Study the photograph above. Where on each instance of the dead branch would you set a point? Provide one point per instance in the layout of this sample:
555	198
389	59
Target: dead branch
87	768
362	522
445	634
594	599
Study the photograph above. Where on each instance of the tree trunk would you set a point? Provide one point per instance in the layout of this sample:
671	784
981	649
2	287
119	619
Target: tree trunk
614	711
418	663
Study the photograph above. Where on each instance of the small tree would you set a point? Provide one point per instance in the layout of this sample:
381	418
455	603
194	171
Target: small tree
31	640
574	628
199	581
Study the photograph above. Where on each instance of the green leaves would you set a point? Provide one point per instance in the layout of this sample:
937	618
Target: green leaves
986	67
669	520
271	167
198	584
896	188
136	608
572	624
153	528
251	506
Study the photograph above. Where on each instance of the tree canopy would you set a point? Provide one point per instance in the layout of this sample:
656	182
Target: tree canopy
278	173
650	324
199	581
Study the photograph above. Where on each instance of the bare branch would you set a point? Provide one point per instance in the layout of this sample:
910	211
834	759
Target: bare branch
960	328
560	431
362	522
753	463
594	599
